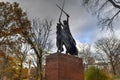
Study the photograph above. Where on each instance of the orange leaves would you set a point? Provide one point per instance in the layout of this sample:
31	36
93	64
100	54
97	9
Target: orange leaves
0	61
2	54
4	34
13	31
10	58
17	30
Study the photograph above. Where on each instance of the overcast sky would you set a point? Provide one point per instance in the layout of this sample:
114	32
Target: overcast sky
82	24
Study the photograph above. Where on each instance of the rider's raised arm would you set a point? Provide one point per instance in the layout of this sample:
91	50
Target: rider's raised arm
60	22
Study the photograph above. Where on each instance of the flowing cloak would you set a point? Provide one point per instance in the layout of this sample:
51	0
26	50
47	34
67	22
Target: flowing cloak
59	41
68	41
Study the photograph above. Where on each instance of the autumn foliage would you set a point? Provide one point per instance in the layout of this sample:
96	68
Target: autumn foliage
14	27
13	19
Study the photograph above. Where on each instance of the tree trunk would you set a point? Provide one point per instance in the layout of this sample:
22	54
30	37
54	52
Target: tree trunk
40	68
20	71
4	78
113	68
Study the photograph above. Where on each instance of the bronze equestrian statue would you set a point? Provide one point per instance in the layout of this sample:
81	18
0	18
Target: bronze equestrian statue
64	37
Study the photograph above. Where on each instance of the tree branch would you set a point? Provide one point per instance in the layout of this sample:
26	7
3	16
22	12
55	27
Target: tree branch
114	4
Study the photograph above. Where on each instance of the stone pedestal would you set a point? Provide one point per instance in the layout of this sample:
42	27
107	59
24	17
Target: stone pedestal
64	67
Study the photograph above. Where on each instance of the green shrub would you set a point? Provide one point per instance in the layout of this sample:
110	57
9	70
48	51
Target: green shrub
94	73
117	77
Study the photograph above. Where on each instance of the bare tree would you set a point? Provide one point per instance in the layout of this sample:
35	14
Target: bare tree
107	11
110	47
86	54
39	41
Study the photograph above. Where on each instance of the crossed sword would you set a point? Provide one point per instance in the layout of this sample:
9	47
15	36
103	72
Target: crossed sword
61	10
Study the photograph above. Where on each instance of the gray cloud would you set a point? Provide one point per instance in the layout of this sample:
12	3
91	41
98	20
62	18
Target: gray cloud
47	8
79	18
82	24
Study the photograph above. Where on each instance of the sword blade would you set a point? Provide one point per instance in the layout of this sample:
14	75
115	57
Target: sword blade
61	9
